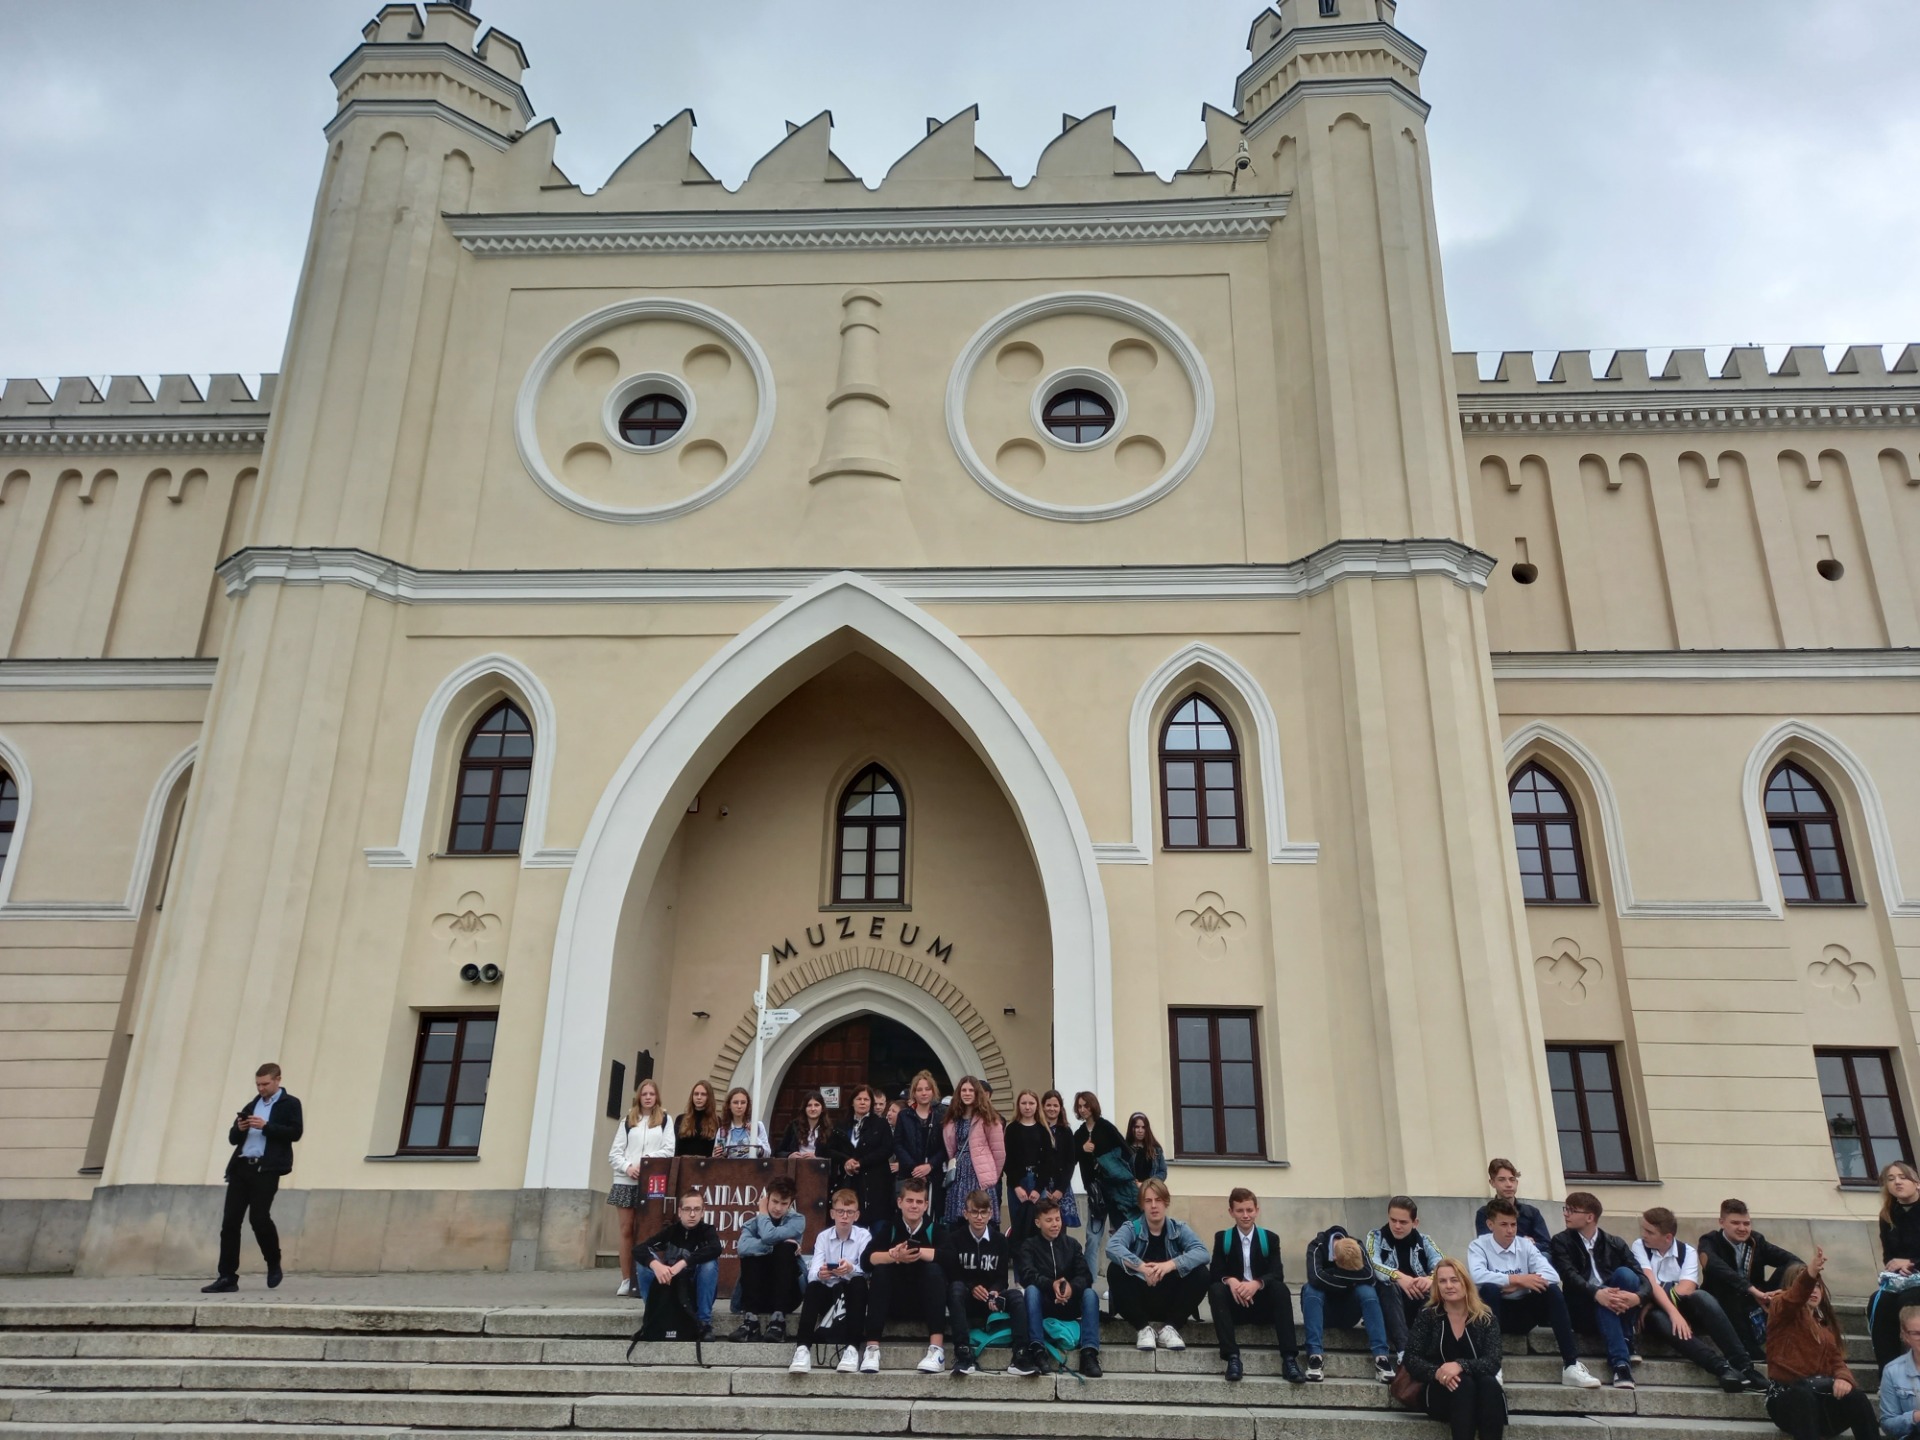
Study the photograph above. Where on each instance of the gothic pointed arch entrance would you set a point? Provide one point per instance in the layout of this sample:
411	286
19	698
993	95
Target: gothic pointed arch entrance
638	815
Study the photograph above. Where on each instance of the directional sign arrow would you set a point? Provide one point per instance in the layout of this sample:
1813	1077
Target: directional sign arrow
779	1019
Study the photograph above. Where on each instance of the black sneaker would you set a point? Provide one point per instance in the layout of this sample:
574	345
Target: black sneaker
1021	1362
274	1276
749	1331
1316	1369
777	1328
1090	1364
706	1332
1623	1377
1731	1382
222	1286
1235	1370
1290	1370
963	1362
1754	1381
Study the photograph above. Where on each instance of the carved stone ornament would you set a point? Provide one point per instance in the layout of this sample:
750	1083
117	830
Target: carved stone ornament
1568	975
1212	923
469	928
1840	976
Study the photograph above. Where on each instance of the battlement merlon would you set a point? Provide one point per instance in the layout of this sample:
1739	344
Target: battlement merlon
77	418
1627	373
411	61
1295	51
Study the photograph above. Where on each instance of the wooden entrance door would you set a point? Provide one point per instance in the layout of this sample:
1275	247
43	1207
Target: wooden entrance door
868	1049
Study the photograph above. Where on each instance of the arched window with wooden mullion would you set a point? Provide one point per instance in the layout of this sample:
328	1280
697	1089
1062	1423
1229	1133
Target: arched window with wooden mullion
1805	832
1201	802
9	816
490	805
870	858
1546	833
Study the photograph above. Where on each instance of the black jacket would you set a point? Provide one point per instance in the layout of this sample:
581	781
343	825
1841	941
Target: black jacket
1533	1224
868	1139
1328	1278
1423	1345
796	1136
919	1142
969	1261
1105	1137
1027	1149
1568	1252
1766	1262
1268	1269
695	1246
891	1232
283	1127
1900	1235
1043	1261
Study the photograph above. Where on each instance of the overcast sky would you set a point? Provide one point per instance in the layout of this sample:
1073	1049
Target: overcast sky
1609	172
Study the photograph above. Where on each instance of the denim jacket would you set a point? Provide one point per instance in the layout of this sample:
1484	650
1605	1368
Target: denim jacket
1186	1249
1899	1397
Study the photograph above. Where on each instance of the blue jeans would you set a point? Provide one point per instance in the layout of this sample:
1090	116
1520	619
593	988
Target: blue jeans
1096	1241
706	1285
1040	1300
1592	1318
1317	1308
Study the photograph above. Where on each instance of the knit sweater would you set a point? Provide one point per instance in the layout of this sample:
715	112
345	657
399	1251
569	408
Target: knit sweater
1798	1344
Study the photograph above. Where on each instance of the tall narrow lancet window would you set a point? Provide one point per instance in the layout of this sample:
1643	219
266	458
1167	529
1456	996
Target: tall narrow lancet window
495	767
9	816
1805	830
870	862
1547	834
1200	780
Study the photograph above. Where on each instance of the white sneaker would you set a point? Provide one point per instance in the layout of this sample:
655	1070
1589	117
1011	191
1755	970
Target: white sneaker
1579	1377
802	1361
849	1361
932	1363
870	1362
1170	1339
1146	1340
626	1288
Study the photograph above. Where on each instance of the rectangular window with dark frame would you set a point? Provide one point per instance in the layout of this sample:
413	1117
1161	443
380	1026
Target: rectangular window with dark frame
447	1095
1589	1112
1862	1107
1217	1105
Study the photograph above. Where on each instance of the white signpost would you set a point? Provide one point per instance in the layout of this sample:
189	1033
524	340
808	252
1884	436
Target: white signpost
771	1023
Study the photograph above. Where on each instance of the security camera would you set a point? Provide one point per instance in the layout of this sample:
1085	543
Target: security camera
490	974
470	973
1244	160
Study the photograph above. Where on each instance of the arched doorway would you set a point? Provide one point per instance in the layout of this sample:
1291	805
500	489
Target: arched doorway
868	1049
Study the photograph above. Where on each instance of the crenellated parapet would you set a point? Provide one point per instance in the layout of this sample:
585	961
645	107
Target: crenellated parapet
413	60
130	418
1689	394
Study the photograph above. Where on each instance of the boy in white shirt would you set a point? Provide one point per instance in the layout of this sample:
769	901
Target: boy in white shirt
1522	1288
1679	1305
835	1307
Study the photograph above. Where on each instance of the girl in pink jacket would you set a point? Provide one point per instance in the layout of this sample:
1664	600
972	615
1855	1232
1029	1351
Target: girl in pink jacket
977	1144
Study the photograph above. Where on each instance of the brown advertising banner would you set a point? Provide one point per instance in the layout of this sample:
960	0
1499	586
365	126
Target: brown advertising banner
732	1189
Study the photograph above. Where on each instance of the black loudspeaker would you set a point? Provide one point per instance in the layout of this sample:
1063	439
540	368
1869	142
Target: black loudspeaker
643	1066
616	1091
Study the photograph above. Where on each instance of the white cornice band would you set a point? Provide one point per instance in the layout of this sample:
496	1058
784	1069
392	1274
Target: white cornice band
403	108
1711	665
1337	87
405	585
99	438
1531	414
1137	222
107	674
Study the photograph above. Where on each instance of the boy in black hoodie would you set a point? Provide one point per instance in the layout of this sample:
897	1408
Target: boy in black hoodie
975	1256
685	1255
1057	1283
907	1279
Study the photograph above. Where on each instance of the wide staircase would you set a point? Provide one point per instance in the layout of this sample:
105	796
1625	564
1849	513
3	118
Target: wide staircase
287	1371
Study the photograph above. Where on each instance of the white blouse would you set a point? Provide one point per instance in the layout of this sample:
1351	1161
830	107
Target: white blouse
641	1142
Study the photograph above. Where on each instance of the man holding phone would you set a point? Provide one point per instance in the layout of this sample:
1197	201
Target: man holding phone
262	1135
907	1280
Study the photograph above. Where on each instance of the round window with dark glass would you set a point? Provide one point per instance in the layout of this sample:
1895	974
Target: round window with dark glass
1078	417
652	420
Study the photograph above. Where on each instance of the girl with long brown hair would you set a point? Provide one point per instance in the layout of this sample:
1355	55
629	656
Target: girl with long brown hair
976	1143
693	1133
645	1134
740	1136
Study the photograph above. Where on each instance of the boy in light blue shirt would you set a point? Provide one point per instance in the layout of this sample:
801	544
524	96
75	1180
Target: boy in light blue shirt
1900	1382
770	1263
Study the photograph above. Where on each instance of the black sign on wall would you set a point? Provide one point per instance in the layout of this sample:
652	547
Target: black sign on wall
616	1091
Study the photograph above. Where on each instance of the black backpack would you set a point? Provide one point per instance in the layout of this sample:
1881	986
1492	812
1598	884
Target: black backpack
672	1312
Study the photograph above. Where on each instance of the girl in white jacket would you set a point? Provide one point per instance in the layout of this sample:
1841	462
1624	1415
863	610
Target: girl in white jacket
646	1134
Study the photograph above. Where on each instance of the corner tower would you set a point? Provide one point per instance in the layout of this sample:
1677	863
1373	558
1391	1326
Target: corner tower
1331	108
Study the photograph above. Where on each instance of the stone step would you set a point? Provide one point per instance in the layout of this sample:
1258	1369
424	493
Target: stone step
1267	1425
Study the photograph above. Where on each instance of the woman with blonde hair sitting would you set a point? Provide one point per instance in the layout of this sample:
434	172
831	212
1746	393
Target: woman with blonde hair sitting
1453	1350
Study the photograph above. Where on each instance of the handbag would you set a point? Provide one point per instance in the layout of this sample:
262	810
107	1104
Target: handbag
1405	1391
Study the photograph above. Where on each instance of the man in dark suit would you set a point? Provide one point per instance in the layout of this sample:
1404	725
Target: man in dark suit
1250	1287
1740	1267
262	1136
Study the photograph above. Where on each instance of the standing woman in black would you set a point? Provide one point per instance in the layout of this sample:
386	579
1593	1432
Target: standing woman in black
1028	1165
917	1142
1094	1138
1057	1185
811	1132
699	1122
862	1154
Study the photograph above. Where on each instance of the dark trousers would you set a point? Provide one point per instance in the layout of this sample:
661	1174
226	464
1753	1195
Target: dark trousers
1173	1301
1749	1320
1806	1415
968	1312
770	1283
1272	1306
1883	1313
899	1291
1398	1308
249	1195
1704	1314
1523	1309
1477	1408
833	1314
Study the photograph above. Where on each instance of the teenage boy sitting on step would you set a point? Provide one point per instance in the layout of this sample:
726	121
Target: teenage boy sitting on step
907	1280
975	1255
1521	1287
769	1252
1505	1179
1157	1275
1680	1307
1250	1287
1403	1263
1058	1284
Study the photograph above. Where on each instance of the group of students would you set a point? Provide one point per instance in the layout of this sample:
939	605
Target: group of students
917	1236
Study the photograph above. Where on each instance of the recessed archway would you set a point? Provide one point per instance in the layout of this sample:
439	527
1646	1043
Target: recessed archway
635	820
